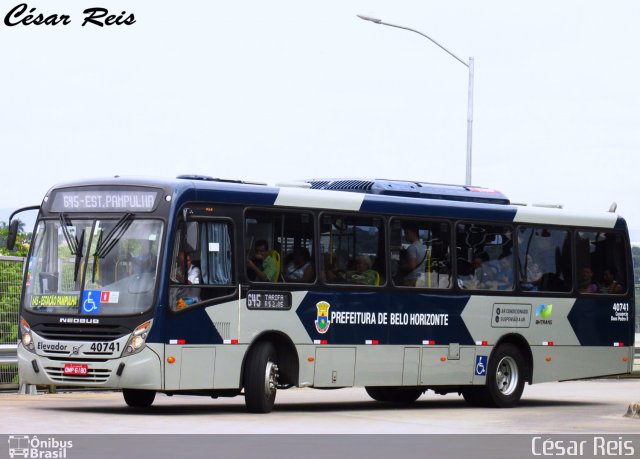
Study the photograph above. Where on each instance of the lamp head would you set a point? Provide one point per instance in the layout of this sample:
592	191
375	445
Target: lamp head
368	18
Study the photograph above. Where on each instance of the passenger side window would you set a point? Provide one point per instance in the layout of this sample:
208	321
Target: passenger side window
352	250
420	253
203	263
279	247
484	257
544	259
601	262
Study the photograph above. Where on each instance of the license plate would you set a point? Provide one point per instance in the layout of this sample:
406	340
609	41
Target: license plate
76	369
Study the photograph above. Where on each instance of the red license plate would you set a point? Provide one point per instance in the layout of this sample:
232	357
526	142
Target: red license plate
76	369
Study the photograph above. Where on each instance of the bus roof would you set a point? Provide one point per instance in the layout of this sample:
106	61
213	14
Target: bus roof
396	197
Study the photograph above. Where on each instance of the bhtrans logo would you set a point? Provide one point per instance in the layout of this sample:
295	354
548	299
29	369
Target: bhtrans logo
543	312
33	447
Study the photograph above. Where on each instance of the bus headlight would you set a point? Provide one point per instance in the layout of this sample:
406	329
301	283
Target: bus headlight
138	339
27	339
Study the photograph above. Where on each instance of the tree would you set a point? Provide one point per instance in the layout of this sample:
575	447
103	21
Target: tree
22	241
10	289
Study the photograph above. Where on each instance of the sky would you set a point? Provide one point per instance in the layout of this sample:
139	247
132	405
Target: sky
283	90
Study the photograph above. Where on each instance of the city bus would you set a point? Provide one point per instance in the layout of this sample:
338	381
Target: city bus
151	286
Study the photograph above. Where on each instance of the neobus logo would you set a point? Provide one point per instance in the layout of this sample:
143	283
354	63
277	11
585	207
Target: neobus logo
78	320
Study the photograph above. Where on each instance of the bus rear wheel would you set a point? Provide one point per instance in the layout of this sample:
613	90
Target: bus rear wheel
261	378
505	380
394	394
138	398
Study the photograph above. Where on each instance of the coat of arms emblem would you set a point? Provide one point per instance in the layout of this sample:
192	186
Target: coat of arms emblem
322	322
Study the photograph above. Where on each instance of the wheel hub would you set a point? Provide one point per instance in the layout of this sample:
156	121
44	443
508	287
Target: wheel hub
271	379
507	375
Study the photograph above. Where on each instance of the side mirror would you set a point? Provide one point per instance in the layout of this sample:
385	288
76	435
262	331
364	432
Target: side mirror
14	224
13	234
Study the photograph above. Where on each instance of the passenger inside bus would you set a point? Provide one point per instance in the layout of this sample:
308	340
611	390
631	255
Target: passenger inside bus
412	260
504	275
188	295
361	275
586	283
485	273
262	266
610	284
532	275
300	268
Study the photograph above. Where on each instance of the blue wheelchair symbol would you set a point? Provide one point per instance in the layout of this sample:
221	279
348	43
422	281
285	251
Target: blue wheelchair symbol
91	302
481	365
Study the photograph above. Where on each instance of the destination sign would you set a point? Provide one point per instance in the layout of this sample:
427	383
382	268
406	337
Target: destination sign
269	300
104	201
51	301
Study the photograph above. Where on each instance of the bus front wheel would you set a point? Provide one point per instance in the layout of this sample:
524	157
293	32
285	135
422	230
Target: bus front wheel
261	378
138	398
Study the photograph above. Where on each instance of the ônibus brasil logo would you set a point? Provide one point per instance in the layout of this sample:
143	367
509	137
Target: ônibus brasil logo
322	322
32	446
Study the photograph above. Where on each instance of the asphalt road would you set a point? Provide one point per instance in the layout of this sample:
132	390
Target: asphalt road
595	406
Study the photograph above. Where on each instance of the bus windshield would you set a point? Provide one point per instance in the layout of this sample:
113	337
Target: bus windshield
93	266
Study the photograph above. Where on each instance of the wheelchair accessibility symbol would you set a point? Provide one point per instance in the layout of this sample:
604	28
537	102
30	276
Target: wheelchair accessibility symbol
481	365
91	302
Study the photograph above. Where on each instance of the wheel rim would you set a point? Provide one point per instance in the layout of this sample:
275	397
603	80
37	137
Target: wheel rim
270	379
507	375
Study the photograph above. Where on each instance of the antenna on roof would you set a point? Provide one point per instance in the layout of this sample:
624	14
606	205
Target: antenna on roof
613	207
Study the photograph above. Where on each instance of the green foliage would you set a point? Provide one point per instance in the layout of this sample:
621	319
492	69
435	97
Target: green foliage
11	284
9	374
10	289
22	242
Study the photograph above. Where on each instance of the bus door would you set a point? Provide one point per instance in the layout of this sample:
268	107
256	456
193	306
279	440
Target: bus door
202	283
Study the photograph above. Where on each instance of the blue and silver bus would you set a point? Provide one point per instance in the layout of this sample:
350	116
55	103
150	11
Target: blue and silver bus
215	287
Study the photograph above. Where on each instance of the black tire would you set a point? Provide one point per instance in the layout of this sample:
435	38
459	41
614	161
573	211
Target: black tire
394	394
138	398
475	395
261	378
505	380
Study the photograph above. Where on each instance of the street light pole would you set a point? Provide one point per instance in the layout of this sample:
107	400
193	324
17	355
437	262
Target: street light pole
469	122
469	65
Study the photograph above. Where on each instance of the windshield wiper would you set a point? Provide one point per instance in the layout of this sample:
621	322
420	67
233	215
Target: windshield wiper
79	249
95	259
75	246
105	245
72	240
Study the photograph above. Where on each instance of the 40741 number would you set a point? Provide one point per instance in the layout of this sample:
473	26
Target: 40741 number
105	348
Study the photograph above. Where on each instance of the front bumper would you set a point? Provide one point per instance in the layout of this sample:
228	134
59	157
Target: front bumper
140	371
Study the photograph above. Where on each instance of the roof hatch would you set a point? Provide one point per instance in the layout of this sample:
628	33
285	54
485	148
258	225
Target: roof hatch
412	189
